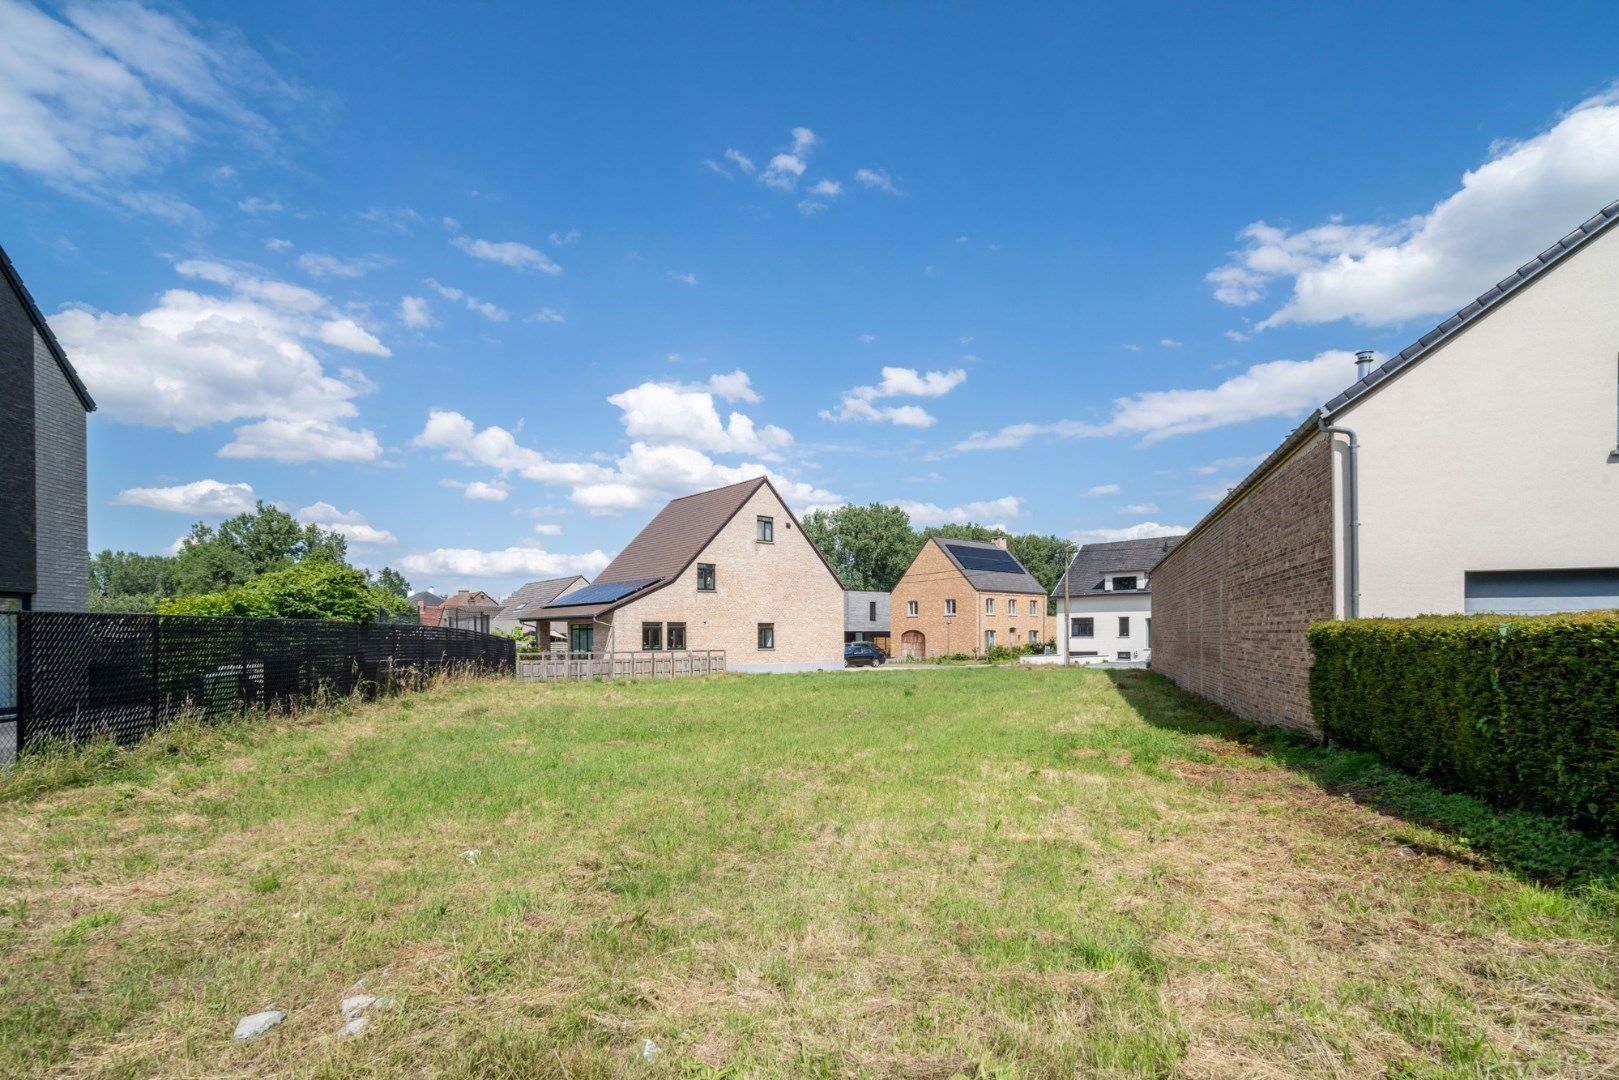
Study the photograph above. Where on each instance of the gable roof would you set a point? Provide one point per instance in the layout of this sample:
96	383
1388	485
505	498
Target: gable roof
989	580
1094	562
1488	301
14	279
672	540
526	601
470	599
425	598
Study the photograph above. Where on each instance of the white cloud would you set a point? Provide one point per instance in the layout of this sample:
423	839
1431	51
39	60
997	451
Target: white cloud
829	189
1507	210
528	561
1279	388
1170	343
294	441
115	91
1237	335
351	524
1139	508
1139	531
867	339
897	382
256	204
785	169
497	448
675	414
547	315
685	278
740	160
481	490
200	498
507	253
394	218
277	244
878	179
319	265
564	239
545	528
413	312
1131	348
986	512
482	307
198	358
1105	489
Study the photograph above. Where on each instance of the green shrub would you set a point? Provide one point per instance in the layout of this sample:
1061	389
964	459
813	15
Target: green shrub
316	588
1523	710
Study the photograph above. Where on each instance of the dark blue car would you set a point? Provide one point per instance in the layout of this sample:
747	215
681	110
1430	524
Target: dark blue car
863	653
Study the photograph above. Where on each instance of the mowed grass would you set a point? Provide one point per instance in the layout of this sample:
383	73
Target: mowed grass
980	872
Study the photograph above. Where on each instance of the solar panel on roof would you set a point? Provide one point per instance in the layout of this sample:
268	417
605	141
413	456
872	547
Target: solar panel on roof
603	592
993	559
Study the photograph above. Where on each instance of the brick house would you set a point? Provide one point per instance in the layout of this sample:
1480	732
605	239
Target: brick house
468	609
521	607
1104	599
44	541
726	569
1476	470
966	596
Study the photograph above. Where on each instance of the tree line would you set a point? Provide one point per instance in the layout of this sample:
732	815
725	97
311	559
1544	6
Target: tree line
870	547
262	562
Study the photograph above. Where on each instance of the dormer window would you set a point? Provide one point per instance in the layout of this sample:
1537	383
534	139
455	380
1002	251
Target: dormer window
1124	584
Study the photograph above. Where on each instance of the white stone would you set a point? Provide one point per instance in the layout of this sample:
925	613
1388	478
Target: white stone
251	1027
354	1006
353	1027
471	856
649	1049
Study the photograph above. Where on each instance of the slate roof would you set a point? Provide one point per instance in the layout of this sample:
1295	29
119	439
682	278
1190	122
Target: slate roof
426	598
671	542
526	602
1093	563
14	279
989	580
1487	302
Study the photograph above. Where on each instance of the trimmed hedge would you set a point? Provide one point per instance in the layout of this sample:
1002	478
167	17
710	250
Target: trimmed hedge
1523	710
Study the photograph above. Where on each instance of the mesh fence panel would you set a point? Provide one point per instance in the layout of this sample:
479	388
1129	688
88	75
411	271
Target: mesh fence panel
79	675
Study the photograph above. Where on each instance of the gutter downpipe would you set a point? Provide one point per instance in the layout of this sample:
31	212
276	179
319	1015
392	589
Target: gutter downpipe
609	635
1352	539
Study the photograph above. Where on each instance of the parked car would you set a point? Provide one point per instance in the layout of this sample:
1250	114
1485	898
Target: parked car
862	653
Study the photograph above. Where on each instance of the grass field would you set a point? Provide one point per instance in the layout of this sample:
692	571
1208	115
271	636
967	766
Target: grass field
986	872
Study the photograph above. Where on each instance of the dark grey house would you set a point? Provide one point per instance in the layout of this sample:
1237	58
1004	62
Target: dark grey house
865	617
43	404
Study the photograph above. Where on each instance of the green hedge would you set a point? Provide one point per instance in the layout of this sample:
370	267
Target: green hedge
1523	710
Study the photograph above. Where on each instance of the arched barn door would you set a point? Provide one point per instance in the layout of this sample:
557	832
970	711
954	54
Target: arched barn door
912	645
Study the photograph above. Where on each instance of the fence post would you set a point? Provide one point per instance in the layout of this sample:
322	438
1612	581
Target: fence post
25	689
157	669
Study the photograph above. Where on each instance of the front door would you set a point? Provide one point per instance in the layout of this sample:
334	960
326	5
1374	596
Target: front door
581	638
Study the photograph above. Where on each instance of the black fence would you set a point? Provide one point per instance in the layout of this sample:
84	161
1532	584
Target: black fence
79	676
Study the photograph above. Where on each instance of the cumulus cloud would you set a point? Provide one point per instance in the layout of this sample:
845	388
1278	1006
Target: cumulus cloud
349	523
685	277
784	169
1104	489
740	160
991	512
460	296
546	528
1139	508
200	358
1279	388
294	441
877	179
413	312
200	498
1139	531
497	448
684	415
481	490
856	404
507	253
1528	194
506	562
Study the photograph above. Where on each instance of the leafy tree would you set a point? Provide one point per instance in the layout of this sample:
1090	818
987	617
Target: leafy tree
1042	555
317	588
967	531
391	581
868	546
208	564
247	545
127	573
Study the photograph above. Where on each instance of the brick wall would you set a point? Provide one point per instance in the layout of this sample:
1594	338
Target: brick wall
62	563
1231	604
932	579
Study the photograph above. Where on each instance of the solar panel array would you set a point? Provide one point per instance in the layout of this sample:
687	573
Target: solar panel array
603	592
977	558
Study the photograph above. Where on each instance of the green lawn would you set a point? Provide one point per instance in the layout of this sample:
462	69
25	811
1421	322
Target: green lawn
986	871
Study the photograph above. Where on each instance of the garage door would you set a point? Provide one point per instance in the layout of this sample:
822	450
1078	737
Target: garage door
1525	592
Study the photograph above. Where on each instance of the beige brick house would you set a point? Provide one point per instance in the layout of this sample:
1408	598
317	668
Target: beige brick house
725	569
966	596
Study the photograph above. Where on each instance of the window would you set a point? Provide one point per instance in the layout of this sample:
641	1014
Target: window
766	533
1124	584
871	615
950	607
705	577
1126	656
910	609
1034	607
767	635
677	636
989	639
1082	627
1124	626
1034	637
651	636
989	605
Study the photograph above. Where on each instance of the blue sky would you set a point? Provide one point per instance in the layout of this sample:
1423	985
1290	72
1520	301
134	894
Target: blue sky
483	288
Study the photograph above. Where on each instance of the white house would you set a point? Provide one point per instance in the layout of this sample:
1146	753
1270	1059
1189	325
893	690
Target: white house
1477	470
1104	602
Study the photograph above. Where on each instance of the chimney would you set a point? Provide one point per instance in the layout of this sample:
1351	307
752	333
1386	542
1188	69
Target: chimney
1363	364
999	541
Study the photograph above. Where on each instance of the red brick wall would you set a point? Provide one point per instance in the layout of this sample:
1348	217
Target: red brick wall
1231	605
